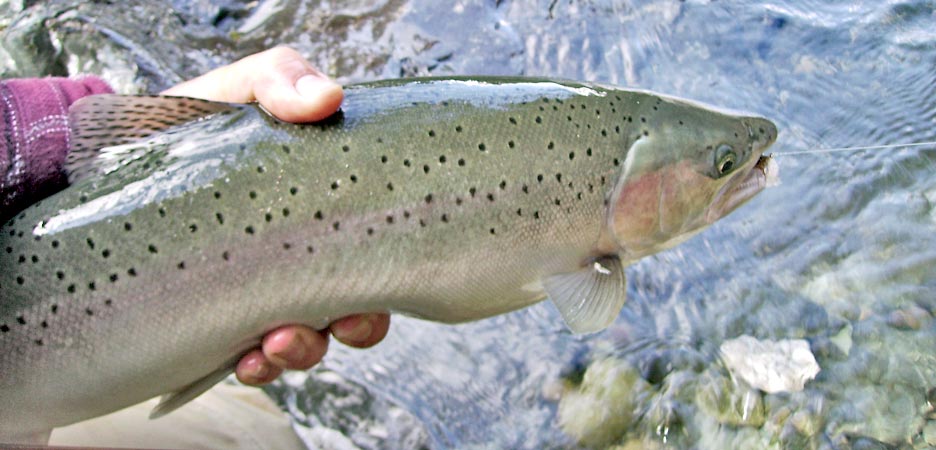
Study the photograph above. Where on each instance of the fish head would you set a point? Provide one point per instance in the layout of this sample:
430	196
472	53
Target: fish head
690	166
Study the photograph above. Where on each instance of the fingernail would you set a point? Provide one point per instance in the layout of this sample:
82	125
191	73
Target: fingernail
294	352
312	85
260	372
362	330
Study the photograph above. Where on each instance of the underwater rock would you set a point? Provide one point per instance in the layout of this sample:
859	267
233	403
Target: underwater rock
910	318
730	403
771	366
603	407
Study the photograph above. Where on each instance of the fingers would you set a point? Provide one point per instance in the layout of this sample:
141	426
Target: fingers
362	331
289	347
280	79
255	369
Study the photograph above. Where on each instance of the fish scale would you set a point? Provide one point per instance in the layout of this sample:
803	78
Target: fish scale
450	200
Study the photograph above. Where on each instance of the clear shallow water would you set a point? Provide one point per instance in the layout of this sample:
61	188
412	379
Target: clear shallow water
842	253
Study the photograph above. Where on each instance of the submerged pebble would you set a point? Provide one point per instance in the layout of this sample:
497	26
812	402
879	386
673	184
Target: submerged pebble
730	403
602	408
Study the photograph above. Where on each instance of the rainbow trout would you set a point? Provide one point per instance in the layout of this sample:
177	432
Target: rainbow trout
193	227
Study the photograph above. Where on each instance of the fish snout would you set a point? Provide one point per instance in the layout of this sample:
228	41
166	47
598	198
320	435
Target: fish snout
762	131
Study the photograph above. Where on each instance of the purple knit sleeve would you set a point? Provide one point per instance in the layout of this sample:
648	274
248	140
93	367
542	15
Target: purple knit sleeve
34	136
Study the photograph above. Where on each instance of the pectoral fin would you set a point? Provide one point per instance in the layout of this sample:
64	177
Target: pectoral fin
171	402
590	299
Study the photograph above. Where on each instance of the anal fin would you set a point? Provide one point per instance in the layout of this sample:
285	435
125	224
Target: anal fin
590	299
173	401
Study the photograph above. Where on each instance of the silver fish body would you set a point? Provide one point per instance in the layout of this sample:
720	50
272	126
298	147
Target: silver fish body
451	200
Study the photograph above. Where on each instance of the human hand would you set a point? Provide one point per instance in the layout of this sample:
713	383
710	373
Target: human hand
284	83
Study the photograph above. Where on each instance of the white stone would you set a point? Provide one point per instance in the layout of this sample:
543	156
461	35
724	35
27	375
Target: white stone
771	366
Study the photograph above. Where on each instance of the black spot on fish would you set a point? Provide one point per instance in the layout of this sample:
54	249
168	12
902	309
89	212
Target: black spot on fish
106	253
425	168
442	159
252	195
249	230
71	288
20	280
39	342
389	186
513	121
383	159
89	311
370	231
551	145
493	231
336	226
536	214
510	144
539	178
431	133
54	308
113	278
353	178
428	198
482	147
92	286
287	246
90	243
4	328
268	217
260	169
571	156
225	255
193	228
345	148
458	129
220	218
445	218
132	272
286	149
472	191
559	177
407	163
285	212
334	185
162	212
461	162
490	197
319	215
310	249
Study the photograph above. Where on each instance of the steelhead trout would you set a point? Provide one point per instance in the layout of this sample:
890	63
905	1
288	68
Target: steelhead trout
193	227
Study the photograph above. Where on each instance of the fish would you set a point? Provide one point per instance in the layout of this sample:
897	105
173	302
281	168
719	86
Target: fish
191	227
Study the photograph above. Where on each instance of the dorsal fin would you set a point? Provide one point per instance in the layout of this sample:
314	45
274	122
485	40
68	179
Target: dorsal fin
100	121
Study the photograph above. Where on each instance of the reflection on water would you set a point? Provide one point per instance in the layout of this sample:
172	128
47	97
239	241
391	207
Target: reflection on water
841	254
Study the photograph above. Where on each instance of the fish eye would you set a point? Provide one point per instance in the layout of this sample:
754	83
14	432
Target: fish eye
725	159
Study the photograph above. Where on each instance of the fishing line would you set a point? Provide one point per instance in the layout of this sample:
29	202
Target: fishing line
848	149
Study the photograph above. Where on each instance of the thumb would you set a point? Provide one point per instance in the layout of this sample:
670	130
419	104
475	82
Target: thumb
280	79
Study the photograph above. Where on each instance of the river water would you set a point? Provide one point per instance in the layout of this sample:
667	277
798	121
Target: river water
841	255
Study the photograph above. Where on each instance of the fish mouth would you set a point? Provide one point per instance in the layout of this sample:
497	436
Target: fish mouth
765	173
